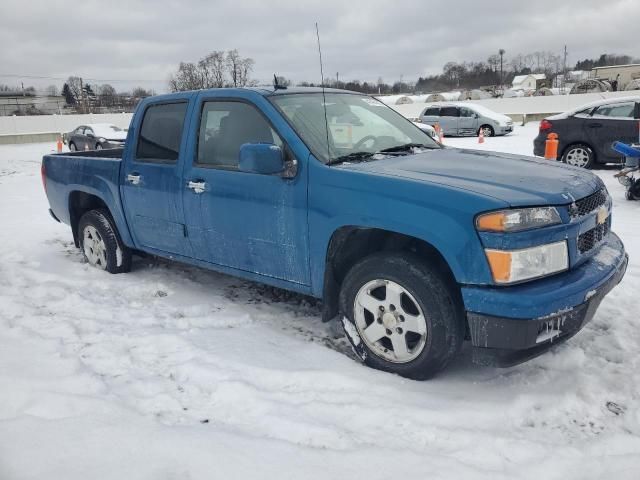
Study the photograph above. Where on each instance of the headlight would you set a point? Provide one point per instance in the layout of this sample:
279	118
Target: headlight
518	219
509	266
102	140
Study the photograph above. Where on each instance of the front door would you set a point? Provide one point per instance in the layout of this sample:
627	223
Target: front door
468	122
251	222
449	120
152	183
608	124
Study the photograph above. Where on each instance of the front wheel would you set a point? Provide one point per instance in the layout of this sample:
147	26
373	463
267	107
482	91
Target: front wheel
400	315
98	146
101	244
487	131
72	147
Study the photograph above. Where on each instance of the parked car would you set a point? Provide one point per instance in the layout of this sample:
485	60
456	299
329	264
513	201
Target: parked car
461	118
406	241
95	136
428	129
586	134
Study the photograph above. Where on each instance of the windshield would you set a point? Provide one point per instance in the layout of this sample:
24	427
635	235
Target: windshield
359	126
106	130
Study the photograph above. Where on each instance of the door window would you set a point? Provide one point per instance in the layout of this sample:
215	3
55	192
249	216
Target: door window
449	112
432	112
225	127
161	133
616	110
466	112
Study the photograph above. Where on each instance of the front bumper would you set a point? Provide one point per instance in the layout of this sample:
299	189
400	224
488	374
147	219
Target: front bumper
505	130
510	325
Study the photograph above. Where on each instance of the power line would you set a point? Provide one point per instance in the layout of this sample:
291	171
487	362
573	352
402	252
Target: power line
44	77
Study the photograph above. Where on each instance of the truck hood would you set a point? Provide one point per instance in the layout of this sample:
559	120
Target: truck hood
514	179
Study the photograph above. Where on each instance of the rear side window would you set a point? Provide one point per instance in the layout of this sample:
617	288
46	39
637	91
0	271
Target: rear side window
161	133
432	112
465	112
616	110
449	112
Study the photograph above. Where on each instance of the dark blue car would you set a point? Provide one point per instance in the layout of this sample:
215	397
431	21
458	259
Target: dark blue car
414	247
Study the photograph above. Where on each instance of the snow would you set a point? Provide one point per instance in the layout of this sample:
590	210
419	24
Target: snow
173	372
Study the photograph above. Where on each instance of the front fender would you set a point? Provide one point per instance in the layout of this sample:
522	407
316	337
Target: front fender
439	215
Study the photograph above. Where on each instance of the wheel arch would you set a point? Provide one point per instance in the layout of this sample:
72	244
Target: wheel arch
349	244
80	202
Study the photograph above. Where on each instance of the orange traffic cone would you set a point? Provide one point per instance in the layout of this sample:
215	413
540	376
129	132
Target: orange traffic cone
59	145
481	136
439	132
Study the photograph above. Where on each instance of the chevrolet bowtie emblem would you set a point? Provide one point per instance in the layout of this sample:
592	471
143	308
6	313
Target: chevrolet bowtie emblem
602	215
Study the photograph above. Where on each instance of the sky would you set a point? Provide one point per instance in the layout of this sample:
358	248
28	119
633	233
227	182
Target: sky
141	42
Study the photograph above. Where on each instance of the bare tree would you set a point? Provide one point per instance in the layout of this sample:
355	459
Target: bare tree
212	68
140	92
217	69
51	91
75	87
107	95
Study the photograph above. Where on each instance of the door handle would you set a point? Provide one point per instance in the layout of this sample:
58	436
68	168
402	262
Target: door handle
595	125
133	178
198	186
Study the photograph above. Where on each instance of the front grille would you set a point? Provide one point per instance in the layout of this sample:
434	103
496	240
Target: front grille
591	238
588	204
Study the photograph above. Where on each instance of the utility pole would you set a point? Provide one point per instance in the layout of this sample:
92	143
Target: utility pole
501	52
337	79
81	96
564	69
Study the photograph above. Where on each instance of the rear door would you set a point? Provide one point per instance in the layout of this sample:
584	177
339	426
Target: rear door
610	123
152	182
468	122
449	117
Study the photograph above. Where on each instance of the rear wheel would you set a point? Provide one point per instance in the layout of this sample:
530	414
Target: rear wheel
101	244
579	155
400	316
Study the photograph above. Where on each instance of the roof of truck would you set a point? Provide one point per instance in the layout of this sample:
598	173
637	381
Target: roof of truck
268	91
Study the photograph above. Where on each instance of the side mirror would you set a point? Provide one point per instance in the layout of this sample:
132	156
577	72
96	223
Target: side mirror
262	158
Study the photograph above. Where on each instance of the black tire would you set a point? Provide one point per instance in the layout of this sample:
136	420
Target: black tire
573	150
440	306
488	129
98	147
72	147
117	255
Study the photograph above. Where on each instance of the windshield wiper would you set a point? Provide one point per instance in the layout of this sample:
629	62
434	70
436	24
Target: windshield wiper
403	148
354	156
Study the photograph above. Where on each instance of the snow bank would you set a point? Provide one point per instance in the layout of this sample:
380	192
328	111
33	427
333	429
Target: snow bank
172	372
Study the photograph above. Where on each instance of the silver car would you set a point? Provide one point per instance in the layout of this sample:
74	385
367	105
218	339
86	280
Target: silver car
457	119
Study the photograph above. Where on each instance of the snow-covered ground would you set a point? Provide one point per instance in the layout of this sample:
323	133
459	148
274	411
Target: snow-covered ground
176	373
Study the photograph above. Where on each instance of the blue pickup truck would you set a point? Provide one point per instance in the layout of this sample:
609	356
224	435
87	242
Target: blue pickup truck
412	246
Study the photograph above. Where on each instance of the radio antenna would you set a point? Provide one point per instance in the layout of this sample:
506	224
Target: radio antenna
324	98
